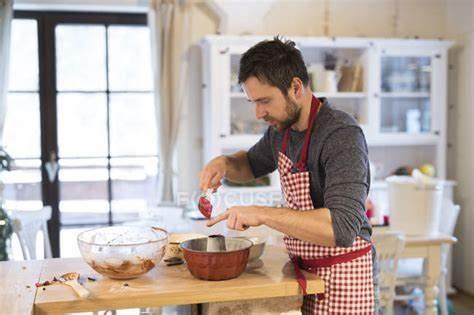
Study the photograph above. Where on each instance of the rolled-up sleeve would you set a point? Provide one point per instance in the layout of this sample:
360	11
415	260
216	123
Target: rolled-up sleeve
344	158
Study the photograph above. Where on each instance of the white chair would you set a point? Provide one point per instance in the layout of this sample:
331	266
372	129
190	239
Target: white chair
389	247
410	272
26	225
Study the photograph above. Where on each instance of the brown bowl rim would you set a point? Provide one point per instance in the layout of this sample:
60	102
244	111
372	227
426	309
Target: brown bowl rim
165	237
213	253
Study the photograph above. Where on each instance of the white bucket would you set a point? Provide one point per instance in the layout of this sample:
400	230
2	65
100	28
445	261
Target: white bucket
414	207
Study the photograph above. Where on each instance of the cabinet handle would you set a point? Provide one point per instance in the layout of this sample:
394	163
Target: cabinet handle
224	51
436	132
222	135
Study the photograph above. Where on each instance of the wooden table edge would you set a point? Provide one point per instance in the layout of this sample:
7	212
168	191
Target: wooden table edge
173	298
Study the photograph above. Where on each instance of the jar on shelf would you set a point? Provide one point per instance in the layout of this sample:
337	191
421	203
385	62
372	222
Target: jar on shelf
413	121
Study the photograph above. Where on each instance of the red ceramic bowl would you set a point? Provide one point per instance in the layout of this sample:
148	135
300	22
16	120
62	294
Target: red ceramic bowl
216	265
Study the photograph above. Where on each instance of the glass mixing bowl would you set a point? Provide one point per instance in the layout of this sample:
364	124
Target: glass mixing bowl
123	252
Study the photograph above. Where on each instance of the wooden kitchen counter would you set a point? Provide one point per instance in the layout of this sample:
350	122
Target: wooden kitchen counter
17	289
166	286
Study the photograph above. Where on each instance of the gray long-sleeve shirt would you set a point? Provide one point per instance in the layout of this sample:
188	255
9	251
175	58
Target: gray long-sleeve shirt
339	167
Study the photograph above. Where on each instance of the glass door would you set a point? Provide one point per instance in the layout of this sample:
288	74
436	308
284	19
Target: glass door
81	123
406	103
105	123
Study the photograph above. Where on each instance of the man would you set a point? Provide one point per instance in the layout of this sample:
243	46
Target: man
321	156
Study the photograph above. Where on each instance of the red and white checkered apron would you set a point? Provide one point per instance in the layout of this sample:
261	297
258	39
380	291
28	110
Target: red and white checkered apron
346	271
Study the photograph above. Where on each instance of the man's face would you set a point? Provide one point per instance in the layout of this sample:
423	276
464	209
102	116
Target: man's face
271	105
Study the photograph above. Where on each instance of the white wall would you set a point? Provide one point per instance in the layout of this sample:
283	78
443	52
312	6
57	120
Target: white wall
447	19
460	27
371	18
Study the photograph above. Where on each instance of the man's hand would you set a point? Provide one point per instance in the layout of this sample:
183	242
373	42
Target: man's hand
240	218
212	174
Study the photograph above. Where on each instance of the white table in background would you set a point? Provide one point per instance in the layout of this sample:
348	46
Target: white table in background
427	247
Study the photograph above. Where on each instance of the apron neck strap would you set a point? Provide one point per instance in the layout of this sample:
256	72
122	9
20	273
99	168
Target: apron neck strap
301	165
284	143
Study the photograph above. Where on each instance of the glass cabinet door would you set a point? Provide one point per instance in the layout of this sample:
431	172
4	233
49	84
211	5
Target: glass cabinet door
406	94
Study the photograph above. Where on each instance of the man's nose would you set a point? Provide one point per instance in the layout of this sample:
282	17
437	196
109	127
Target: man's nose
260	113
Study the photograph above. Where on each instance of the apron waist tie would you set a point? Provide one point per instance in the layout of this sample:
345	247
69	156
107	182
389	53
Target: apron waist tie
311	265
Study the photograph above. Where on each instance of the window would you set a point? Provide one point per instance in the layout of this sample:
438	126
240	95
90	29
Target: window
87	108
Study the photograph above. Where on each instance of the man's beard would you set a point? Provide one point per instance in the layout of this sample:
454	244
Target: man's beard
292	110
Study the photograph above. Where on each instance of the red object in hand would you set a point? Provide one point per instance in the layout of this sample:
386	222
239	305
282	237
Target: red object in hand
205	207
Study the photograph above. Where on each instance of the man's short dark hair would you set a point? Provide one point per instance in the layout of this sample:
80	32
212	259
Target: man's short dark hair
274	62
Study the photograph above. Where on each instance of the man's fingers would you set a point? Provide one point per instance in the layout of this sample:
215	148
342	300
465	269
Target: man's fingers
231	221
239	226
205	181
215	188
216	180
219	218
232	218
210	179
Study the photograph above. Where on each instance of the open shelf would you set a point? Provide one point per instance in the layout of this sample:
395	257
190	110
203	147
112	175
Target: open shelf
238	95
341	95
403	139
405	94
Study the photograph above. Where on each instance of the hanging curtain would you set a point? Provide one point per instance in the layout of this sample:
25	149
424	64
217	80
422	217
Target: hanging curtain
6	17
170	39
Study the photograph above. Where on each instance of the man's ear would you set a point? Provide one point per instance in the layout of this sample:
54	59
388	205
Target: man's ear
296	88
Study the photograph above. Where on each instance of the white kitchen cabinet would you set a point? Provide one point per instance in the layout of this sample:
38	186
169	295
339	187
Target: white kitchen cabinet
410	100
399	99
